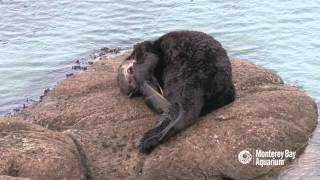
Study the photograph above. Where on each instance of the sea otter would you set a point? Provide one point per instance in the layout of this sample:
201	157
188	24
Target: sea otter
189	69
129	87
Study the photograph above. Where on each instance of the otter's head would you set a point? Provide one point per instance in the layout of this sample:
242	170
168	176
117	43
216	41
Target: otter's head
126	80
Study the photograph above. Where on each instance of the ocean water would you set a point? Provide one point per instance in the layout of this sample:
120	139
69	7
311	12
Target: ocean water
40	40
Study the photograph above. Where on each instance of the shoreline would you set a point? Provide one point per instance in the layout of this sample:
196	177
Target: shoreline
79	65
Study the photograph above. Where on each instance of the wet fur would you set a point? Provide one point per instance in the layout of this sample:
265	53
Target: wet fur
195	73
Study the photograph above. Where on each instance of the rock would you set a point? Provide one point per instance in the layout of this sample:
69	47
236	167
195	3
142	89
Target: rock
12	178
267	115
31	151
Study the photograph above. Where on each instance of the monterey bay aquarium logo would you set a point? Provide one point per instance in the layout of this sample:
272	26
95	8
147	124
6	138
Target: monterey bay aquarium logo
265	158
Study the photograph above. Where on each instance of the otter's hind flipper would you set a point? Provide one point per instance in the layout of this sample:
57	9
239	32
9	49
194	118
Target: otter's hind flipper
180	116
152	137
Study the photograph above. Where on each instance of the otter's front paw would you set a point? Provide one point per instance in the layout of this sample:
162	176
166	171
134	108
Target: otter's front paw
150	140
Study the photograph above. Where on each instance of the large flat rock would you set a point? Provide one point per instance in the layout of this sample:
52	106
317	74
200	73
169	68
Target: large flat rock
267	114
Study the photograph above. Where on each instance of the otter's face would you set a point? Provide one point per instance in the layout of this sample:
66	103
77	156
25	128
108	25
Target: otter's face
126	80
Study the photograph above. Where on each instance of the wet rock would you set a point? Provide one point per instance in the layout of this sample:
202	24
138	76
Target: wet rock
79	67
76	67
45	93
106	50
266	114
69	74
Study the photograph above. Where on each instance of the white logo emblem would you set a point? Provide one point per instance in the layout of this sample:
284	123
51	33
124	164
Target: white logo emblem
244	157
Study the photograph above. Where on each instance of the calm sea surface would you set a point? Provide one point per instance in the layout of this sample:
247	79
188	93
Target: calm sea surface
40	40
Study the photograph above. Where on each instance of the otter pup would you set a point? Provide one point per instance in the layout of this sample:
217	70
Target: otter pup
193	70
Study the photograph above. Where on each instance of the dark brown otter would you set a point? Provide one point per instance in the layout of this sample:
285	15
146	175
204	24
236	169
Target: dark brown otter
129	87
193	70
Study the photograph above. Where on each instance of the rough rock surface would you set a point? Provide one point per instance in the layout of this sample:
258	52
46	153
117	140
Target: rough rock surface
107	126
28	150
